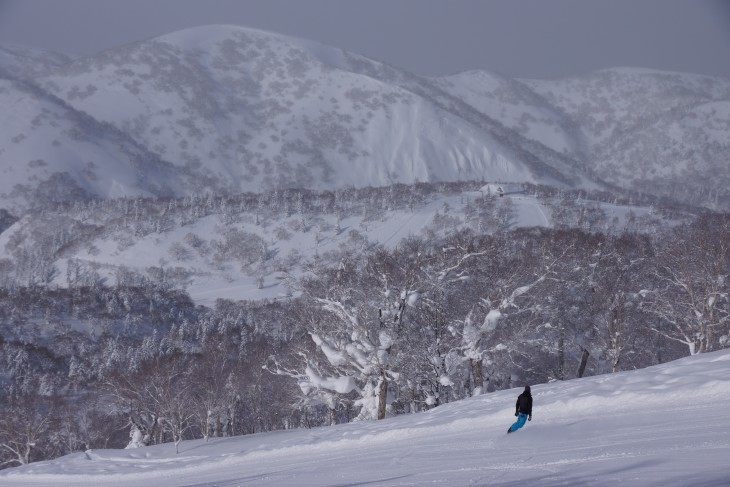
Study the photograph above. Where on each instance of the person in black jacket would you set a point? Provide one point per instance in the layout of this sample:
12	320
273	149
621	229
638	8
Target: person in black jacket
523	410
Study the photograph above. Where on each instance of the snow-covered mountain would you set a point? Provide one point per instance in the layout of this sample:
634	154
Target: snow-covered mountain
668	132
241	110
54	152
650	131
228	109
660	426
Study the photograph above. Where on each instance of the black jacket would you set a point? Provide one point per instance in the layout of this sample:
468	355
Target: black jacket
524	402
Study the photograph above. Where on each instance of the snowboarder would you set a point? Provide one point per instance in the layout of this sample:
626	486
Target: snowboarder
523	410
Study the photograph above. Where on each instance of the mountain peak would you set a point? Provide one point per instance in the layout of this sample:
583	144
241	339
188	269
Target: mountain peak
215	37
204	33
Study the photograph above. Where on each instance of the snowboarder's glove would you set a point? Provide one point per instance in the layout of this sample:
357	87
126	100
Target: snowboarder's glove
529	418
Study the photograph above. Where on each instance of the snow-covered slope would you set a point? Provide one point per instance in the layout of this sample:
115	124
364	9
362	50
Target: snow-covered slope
52	152
661	426
518	107
229	109
235	109
651	131
238	110
272	247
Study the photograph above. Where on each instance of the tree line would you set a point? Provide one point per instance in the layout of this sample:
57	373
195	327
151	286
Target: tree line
382	332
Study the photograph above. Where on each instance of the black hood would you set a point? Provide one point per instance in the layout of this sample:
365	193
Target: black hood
527	390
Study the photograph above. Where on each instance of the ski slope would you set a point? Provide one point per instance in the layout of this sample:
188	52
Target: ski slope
667	425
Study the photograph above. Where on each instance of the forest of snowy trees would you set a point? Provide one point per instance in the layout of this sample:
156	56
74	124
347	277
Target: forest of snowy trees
367	333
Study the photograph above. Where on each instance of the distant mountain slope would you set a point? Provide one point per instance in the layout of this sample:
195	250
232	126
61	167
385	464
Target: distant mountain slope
518	107
650	131
227	109
51	152
237	109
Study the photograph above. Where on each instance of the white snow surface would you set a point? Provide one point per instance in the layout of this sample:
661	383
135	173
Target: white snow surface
666	425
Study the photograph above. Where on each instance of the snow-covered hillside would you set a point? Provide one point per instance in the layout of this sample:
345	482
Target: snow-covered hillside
651	131
274	247
229	109
661	426
518	107
668	131
53	153
243	110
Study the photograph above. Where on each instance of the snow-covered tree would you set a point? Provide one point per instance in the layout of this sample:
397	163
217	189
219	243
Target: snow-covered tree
24	425
612	292
506	303
693	272
355	321
157	399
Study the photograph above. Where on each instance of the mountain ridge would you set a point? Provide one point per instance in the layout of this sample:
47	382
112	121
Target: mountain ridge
229	109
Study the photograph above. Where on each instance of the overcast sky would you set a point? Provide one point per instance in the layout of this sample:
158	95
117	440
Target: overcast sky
523	38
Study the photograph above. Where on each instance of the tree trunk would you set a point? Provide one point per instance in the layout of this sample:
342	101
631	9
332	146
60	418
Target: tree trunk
25	460
382	396
218	426
583	363
561	355
148	431
477	375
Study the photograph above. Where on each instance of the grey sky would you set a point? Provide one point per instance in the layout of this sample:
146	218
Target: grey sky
525	38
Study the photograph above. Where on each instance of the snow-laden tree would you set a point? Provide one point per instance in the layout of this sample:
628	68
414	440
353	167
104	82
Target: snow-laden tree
585	310
453	287
359	352
321	383
173	387
157	398
430	371
24	426
693	274
503	289
355	322
213	394
615	273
